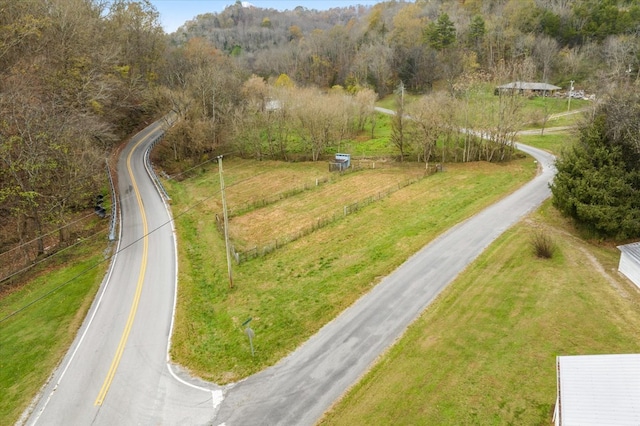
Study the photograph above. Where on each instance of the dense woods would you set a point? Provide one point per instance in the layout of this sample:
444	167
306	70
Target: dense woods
74	77
77	76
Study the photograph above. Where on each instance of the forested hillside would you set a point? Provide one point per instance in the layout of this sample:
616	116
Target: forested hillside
422	42
78	75
298	70
74	78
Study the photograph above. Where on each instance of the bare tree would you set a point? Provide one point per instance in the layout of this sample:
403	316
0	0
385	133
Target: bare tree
322	120
545	50
426	125
365	101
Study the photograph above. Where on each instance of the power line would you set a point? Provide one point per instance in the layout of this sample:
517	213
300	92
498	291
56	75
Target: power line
45	235
80	274
59	252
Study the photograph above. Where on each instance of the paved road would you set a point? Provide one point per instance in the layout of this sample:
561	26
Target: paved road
116	372
299	389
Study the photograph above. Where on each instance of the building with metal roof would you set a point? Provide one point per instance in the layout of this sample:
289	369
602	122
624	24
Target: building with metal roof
524	87
598	390
629	264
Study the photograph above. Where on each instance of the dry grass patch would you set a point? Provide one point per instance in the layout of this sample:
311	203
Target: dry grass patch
294	214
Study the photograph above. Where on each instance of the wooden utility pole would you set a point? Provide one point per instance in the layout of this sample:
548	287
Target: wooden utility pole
226	221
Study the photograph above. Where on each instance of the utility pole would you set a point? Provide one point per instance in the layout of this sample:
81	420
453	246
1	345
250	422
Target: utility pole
570	95
226	221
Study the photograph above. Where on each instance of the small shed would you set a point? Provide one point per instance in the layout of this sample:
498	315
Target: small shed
340	162
528	88
629	264
598	390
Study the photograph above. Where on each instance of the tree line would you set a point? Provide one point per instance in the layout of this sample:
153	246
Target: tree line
421	43
75	77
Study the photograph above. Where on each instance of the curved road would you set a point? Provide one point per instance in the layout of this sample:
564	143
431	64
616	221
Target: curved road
116	371
299	389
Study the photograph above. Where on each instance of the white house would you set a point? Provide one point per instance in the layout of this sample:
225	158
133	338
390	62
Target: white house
630	262
598	390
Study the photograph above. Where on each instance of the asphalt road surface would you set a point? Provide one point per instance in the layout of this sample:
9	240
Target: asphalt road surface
116	372
299	389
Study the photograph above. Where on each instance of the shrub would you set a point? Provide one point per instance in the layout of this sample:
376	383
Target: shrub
543	246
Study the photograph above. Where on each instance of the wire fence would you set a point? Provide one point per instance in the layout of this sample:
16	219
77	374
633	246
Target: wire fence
264	202
255	252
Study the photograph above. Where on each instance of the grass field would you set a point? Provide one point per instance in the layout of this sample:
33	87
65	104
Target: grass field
290	293
34	340
294	291
484	352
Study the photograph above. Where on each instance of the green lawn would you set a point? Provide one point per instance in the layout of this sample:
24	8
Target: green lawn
294	291
552	142
484	352
48	312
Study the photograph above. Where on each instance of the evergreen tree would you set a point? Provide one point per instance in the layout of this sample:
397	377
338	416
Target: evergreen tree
442	33
598	179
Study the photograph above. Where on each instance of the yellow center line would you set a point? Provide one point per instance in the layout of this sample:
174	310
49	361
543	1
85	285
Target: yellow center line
134	307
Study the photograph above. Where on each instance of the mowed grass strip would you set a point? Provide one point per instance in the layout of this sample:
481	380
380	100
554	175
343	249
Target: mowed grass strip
552	142
484	352
33	341
294	291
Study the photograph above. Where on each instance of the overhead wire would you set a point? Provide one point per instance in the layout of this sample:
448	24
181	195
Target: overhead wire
47	234
188	209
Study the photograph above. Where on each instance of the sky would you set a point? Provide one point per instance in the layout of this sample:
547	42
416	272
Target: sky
174	13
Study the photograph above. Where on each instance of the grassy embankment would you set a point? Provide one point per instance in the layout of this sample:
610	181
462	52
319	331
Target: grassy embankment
484	352
54	303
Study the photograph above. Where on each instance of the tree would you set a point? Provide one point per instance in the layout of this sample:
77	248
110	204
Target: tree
442	33
322	121
477	31
545	51
398	123
427	124
136	26
407	27
372	67
365	103
598	179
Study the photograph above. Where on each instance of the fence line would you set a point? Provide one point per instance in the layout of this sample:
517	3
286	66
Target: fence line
264	202
255	252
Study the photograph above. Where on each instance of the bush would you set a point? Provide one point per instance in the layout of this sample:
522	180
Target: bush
543	246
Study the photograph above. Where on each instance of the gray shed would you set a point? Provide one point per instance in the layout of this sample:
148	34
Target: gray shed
598	390
629	264
340	163
524	87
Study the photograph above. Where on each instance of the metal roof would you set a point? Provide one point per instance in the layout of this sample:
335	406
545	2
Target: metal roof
523	85
598	390
632	250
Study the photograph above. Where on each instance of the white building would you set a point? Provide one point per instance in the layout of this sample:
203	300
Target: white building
598	390
630	262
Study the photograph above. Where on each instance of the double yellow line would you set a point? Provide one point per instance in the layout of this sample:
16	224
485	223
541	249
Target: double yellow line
136	300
